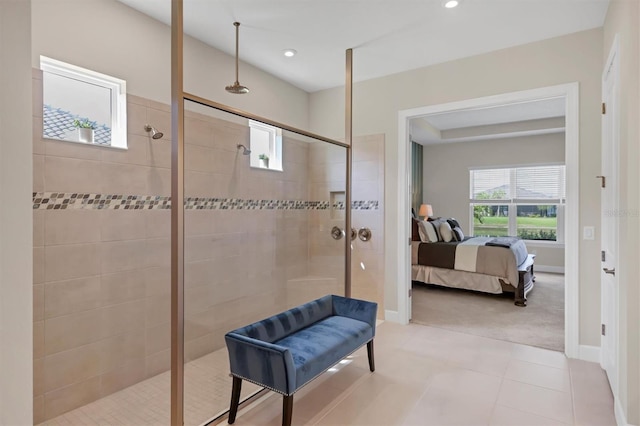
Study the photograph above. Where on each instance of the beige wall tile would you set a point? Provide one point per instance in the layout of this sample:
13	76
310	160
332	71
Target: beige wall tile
129	179
37	97
198	184
38	302
197	299
73	175
119	256
136	119
71	331
38	228
160	152
199	272
198	222
67	297
159	116
71	226
225	161
126	375
78	150
158	252
157	280
72	366
38	339
137	152
157	310
38	376
158	223
38	265
123	317
158	363
117	225
71	261
197	348
38	141
198	324
117	350
38	409
158	338
198	132
158	181
38	173
137	100
199	158
62	400
122	287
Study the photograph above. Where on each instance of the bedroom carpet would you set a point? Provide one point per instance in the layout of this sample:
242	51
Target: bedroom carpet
540	323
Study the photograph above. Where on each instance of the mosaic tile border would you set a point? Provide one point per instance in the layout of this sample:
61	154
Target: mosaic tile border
73	201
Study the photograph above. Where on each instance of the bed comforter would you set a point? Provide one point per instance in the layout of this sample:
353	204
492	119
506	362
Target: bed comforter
499	257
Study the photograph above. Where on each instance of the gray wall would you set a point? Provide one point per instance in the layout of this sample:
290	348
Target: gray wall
446	176
16	344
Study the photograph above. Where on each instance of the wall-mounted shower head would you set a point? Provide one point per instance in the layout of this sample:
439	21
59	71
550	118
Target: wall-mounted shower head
155	134
245	150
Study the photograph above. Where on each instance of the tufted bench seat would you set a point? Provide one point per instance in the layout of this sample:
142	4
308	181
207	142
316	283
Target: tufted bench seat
288	350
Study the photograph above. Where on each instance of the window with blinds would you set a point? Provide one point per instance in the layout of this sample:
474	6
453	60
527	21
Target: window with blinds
523	201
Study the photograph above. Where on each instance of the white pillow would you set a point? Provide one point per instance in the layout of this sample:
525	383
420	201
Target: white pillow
427	232
445	232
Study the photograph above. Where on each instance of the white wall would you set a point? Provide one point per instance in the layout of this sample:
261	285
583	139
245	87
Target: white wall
623	18
16	235
446	176
572	58
109	37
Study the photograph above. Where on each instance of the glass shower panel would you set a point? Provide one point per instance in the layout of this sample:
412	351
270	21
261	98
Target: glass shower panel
257	241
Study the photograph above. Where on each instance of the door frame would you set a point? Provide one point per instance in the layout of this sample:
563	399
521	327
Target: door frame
570	92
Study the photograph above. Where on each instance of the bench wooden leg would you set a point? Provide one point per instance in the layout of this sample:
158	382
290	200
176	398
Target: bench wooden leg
287	410
372	364
235	399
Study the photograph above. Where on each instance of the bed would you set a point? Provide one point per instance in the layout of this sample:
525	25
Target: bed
487	264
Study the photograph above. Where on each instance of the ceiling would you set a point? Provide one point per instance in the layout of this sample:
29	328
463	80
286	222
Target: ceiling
537	117
388	36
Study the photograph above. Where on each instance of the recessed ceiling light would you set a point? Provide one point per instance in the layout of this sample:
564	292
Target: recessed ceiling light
450	4
289	53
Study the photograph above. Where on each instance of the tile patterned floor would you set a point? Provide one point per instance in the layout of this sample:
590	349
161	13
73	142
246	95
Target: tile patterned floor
424	376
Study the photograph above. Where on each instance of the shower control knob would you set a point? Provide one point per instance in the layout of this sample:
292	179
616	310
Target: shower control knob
354	234
337	233
364	234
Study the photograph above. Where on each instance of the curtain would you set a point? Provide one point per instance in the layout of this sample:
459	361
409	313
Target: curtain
416	176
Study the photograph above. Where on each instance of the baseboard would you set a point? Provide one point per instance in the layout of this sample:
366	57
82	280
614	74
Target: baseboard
546	268
589	353
391	316
621	419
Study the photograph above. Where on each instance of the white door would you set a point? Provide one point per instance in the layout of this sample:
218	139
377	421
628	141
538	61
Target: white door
609	224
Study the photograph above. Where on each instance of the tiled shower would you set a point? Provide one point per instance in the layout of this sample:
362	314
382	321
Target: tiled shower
256	242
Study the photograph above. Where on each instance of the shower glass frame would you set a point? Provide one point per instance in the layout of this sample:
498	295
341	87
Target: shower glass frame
178	98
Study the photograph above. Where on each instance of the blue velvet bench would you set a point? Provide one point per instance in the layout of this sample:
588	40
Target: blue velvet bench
288	350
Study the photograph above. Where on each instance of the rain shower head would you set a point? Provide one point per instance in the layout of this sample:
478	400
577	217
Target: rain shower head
155	134
236	87
245	150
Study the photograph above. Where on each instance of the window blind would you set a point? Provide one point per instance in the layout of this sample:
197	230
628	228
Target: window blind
527	185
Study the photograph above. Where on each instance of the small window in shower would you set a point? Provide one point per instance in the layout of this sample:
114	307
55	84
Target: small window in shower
266	146
80	105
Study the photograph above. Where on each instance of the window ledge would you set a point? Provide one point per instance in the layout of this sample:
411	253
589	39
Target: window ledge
122	148
542	243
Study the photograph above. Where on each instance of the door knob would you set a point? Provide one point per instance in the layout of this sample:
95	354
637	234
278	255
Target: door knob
611	271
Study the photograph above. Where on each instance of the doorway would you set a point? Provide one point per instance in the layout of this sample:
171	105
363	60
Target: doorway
569	93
